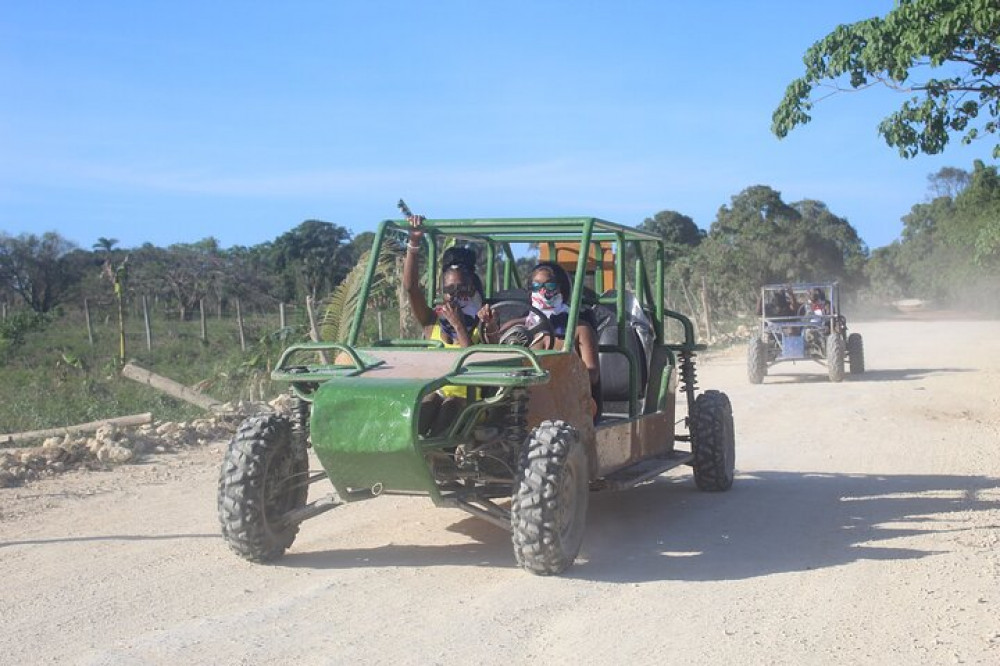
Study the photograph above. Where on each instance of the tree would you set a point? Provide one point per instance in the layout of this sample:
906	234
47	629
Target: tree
851	251
948	181
105	245
959	39
38	269
759	239
976	222
318	252
679	232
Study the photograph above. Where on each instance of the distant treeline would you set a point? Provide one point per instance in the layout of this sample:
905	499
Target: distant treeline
949	251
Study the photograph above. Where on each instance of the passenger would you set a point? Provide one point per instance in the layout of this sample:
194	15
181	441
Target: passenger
818	304
817	308
550	292
454	323
780	304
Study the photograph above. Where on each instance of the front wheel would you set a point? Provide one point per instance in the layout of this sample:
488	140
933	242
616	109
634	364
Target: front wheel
549	508
264	476
713	441
835	352
856	353
756	361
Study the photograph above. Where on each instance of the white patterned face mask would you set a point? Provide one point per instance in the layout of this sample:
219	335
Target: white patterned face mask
550	305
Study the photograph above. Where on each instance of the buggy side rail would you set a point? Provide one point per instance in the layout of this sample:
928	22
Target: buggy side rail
286	371
492	374
689	344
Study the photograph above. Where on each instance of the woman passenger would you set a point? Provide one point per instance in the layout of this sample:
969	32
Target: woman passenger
455	322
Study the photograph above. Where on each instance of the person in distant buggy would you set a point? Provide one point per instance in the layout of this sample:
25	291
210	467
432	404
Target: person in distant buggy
780	304
818	305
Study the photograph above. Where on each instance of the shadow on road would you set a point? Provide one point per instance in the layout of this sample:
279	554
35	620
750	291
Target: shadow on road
774	522
770	522
896	375
109	537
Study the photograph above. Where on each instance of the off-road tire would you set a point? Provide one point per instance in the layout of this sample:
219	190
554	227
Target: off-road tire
549	507
856	353
835	352
264	476
756	361
713	441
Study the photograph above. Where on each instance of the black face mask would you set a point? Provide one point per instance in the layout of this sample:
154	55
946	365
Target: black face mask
470	324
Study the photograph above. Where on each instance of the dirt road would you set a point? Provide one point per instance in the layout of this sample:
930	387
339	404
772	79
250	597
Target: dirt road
862	528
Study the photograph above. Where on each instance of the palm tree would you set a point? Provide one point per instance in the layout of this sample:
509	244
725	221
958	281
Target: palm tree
105	244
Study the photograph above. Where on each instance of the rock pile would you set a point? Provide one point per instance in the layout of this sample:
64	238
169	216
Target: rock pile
113	445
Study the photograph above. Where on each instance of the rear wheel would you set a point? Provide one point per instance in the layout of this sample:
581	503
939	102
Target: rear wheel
263	477
713	441
856	353
756	361
549	508
835	352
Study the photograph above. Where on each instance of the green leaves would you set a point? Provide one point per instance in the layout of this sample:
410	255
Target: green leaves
961	37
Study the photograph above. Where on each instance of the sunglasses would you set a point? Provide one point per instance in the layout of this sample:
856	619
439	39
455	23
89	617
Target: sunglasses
458	290
544	286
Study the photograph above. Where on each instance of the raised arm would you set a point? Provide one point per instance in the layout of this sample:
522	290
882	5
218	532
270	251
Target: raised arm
411	278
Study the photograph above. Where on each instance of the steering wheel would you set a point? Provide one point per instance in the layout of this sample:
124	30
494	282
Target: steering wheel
514	329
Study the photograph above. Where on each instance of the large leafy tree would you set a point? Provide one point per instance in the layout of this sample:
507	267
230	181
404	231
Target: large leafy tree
760	239
679	232
319	253
947	52
976	222
39	269
848	252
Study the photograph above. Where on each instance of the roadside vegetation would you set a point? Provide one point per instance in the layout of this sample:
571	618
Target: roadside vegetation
943	54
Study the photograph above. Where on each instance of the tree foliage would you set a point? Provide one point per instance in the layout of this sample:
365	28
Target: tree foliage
949	249
759	239
318	253
957	42
41	270
679	232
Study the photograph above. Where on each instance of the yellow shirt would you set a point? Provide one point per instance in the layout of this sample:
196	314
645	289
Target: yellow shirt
452	391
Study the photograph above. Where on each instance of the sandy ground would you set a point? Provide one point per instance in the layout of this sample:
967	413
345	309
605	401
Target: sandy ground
862	529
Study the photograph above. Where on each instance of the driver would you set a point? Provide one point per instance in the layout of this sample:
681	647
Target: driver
550	292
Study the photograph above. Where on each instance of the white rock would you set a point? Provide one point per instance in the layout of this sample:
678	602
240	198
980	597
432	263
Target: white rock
117	455
167	428
106	434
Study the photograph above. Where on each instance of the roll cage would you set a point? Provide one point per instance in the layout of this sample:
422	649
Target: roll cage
497	235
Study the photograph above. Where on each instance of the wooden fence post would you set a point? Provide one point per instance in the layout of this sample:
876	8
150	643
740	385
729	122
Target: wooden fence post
705	311
86	316
145	319
204	325
314	330
239	325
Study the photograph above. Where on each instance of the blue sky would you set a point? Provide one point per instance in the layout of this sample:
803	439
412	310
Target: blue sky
169	122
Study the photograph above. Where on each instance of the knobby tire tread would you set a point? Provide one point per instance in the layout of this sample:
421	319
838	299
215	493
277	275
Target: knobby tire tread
713	441
538	545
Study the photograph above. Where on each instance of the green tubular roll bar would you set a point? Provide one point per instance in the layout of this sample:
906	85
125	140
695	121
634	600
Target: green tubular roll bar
497	235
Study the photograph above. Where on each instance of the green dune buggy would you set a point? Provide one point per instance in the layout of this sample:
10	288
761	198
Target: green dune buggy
528	447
